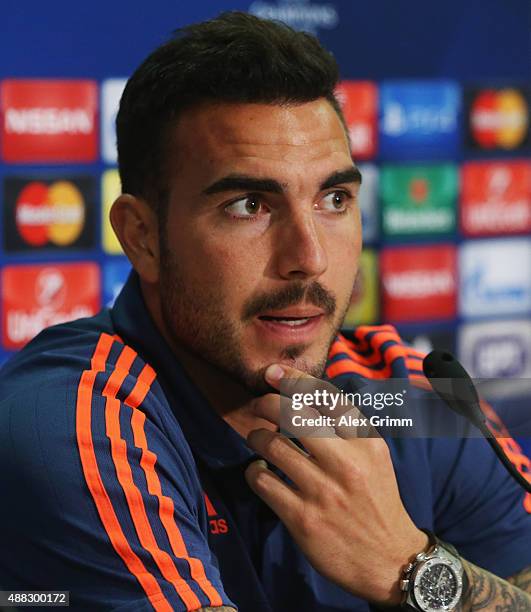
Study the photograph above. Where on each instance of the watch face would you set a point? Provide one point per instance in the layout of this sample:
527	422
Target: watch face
438	586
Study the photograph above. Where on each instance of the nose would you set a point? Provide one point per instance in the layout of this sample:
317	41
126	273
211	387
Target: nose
299	249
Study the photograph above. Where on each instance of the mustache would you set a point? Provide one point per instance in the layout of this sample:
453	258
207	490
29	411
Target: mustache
292	295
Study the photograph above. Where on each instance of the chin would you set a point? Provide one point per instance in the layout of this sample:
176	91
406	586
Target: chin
308	358
301	359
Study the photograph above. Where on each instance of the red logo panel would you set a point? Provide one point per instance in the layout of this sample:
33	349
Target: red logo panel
496	198
359	102
418	283
49	120
499	118
36	296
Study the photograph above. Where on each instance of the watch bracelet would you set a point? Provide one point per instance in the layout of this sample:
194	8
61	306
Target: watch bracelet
434	545
453	550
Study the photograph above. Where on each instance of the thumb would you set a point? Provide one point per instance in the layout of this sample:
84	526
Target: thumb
290	380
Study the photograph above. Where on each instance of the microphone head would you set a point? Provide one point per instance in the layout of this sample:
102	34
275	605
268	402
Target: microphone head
453	384
442	364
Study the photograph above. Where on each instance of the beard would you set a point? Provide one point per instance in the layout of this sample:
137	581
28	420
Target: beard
196	320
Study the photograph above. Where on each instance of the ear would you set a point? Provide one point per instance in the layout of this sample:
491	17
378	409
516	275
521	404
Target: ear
135	224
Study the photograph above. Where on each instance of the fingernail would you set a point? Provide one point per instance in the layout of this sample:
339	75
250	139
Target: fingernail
274	373
261	463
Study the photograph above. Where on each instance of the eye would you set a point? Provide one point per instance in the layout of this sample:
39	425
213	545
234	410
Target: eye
248	207
337	201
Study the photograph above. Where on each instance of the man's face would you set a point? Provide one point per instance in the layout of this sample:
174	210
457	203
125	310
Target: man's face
261	245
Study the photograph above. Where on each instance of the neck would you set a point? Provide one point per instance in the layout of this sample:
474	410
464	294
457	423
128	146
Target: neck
230	399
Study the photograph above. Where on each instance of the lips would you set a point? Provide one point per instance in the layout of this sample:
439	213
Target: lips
293	324
292	317
291	314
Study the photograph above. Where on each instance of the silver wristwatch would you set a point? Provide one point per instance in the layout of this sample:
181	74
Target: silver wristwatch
435	580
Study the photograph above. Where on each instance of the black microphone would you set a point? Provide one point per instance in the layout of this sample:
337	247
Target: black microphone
455	387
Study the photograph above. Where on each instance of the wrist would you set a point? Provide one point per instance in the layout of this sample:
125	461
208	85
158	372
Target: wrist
400	557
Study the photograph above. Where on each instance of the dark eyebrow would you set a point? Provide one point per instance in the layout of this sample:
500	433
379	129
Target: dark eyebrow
242	182
350	175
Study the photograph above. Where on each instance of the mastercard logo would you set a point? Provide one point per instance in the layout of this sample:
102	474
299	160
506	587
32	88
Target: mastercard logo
53	213
499	119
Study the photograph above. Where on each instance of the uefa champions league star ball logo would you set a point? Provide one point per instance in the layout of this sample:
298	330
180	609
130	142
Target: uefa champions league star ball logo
299	14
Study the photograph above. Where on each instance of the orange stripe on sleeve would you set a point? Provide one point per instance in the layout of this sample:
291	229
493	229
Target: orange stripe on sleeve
364	330
347	366
166	508
137	508
120	372
363	360
142	386
511	447
392	353
381	338
95	483
364	365
166	511
414	365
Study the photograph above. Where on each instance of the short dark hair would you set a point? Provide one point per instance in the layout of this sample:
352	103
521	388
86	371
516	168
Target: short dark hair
235	57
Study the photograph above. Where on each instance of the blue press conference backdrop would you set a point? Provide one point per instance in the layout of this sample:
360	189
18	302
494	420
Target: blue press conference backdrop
477	39
437	99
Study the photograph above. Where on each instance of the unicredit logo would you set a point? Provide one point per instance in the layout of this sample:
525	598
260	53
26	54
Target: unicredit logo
499	118
52	213
36	296
419	283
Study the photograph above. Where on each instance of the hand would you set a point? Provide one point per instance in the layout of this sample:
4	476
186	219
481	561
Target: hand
345	510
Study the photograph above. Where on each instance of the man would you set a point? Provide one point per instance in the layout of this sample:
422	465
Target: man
130	442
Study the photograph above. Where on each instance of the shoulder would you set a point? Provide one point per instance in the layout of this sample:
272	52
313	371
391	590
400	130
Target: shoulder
451	452
66	361
95	447
59	352
75	395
